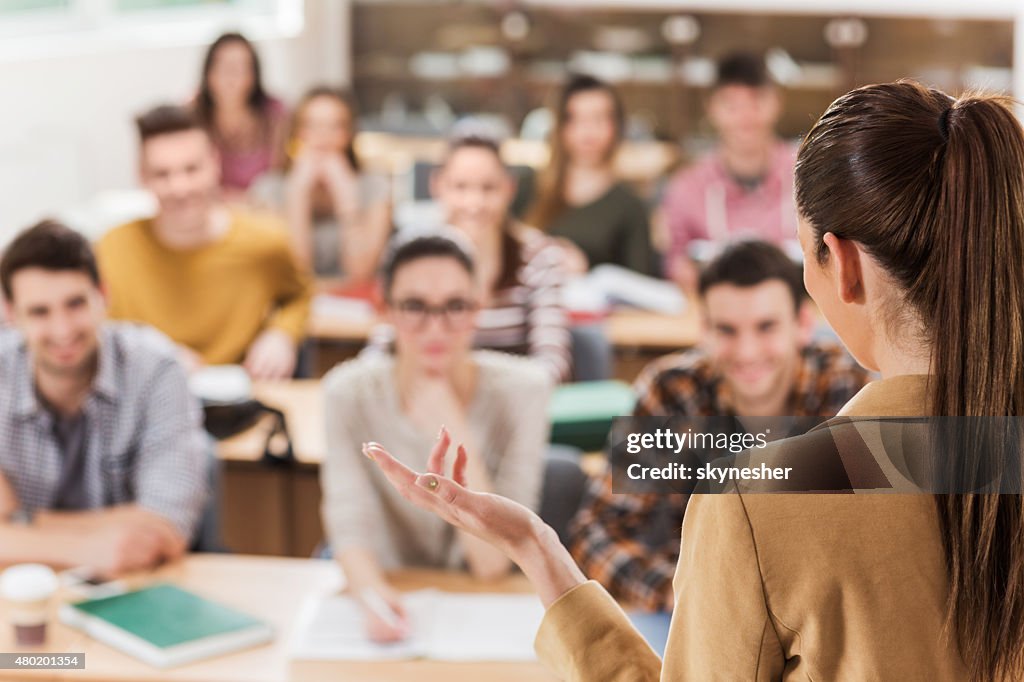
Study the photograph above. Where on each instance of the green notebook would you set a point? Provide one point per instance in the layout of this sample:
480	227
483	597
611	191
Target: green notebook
581	413
166	626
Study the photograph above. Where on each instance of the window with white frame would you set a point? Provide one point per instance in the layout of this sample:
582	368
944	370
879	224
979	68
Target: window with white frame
30	18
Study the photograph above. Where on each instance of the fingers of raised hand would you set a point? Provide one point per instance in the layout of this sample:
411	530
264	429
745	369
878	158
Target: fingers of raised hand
396	472
405	481
435	463
459	469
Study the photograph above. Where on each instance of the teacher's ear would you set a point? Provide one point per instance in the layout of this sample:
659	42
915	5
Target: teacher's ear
848	276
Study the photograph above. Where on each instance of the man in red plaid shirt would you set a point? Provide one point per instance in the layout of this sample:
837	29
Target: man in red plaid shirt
757	359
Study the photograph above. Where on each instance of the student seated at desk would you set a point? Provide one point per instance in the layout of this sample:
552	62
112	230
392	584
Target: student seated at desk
434	379
519	269
246	123
222	282
594	215
338	215
102	453
744	187
756	360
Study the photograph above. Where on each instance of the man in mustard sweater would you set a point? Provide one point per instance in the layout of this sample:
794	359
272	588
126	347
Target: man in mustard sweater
223	283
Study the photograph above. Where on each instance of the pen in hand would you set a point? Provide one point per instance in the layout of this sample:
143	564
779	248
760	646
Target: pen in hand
383	612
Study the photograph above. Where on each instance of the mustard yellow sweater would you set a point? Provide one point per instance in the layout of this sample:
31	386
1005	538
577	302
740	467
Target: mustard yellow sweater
215	299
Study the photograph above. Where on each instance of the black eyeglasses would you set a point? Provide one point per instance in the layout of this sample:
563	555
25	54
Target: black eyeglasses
455	312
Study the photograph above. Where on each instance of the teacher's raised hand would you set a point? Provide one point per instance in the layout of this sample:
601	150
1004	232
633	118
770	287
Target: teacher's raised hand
508	525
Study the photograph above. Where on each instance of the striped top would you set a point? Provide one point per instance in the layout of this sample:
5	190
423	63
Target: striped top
526	316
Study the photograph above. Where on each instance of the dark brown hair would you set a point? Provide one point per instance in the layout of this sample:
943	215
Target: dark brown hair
49	245
342	97
257	100
749	263
417	248
550	203
742	68
511	246
166	119
932	188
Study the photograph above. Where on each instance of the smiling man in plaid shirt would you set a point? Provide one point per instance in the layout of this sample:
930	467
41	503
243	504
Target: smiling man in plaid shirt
102	453
757	360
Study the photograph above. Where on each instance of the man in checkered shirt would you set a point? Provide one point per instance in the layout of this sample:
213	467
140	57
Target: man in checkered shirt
102	454
757	360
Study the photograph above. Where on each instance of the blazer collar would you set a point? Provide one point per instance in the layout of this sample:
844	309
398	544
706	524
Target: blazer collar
904	395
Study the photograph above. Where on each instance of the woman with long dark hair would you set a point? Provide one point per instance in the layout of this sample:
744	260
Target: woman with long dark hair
597	218
244	121
911	207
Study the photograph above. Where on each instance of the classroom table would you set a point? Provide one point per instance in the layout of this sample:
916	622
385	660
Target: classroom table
267	509
636	336
654	331
626	328
272	589
301	400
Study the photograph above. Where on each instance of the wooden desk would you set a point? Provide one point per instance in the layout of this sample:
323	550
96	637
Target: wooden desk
268	588
625	329
302	403
274	590
340	329
653	331
275	510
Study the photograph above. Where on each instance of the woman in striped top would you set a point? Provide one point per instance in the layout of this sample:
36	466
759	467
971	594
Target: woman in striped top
520	269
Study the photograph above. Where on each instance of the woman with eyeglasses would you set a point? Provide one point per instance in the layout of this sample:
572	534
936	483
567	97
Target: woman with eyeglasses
433	380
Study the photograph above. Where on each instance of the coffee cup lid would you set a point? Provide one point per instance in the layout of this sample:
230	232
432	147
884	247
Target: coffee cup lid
28	582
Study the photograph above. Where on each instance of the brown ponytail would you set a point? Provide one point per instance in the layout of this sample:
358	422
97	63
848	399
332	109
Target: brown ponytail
933	189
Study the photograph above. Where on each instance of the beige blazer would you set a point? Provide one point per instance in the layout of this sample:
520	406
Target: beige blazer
784	587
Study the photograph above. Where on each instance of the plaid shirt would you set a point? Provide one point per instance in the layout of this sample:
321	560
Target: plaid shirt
630	543
144	438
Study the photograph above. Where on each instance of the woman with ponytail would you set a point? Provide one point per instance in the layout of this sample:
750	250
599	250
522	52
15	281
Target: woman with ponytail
911	208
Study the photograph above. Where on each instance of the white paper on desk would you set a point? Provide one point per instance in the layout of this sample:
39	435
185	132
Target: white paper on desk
342	307
445	627
609	284
483	627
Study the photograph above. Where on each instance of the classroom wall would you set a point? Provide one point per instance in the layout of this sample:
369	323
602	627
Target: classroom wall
66	121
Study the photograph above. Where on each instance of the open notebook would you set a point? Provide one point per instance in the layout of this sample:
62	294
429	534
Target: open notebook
444	626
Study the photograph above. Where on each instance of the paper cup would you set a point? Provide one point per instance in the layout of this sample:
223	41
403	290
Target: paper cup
27	589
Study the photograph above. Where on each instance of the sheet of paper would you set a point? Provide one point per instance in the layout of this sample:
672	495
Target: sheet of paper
483	627
445	626
609	284
332	628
